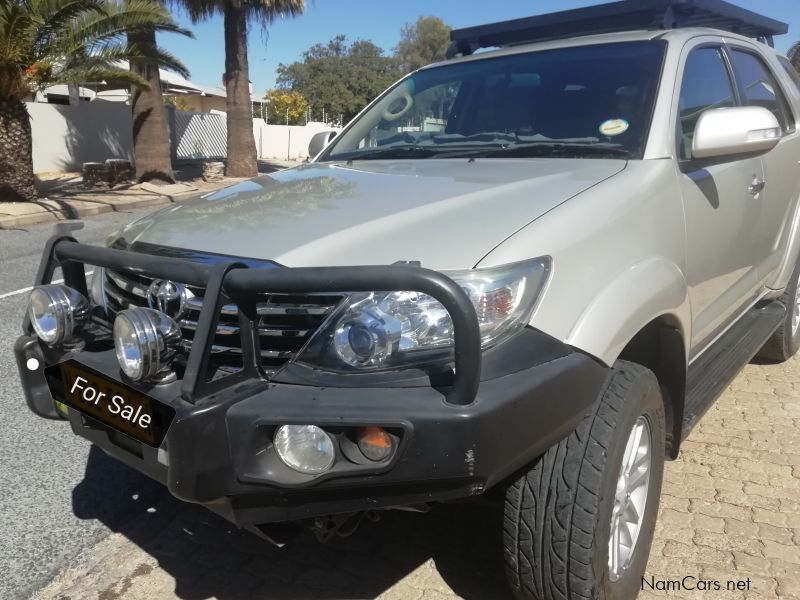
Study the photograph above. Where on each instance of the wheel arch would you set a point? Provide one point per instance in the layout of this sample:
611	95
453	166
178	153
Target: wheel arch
644	316
646	290
659	346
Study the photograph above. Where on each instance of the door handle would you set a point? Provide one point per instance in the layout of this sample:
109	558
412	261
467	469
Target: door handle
756	186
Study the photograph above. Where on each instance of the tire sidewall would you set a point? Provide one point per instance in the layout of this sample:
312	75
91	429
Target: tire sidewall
792	340
645	401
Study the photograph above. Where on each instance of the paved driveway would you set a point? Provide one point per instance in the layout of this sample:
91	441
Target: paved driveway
730	513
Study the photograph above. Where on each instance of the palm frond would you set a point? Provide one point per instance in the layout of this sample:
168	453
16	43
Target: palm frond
158	56
43	42
263	12
100	73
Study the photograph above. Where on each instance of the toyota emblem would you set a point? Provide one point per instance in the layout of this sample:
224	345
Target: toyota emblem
168	297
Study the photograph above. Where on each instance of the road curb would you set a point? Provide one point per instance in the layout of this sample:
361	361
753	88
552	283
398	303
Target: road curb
75	209
60	209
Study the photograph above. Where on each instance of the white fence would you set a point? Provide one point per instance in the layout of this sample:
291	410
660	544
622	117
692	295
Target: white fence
198	135
65	137
285	142
204	135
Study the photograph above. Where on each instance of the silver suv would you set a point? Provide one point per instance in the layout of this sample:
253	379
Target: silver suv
568	247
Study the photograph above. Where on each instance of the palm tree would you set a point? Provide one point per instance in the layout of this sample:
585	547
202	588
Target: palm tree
237	13
46	42
151	146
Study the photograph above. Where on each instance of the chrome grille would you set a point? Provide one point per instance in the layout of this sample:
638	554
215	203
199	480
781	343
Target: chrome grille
285	321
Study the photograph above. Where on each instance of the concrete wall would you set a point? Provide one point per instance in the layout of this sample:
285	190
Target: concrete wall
65	137
285	142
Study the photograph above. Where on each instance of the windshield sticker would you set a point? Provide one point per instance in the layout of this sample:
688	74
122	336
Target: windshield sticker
614	126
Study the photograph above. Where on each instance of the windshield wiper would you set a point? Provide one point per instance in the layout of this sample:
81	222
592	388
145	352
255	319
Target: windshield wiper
520	150
557	149
391	152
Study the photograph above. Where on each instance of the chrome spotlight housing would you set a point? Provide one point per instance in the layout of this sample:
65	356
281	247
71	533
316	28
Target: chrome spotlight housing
57	312
146	342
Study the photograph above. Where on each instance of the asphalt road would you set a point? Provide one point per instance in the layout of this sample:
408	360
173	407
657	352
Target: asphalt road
51	507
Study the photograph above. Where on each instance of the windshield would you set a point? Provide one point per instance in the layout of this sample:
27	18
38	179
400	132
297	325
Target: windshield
588	101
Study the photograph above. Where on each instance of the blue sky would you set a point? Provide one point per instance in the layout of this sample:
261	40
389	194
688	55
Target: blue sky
380	21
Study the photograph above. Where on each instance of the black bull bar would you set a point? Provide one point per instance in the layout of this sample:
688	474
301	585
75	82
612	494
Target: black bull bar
239	283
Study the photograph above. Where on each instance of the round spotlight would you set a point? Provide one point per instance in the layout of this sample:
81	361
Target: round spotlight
307	449
57	312
146	341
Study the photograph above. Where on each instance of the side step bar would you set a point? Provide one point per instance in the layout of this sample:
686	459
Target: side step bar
710	374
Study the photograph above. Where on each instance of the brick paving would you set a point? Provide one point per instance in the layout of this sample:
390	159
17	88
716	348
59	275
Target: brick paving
730	512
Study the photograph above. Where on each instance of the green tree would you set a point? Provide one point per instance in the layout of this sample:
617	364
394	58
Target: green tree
237	14
179	102
422	43
286	105
794	55
339	78
46	42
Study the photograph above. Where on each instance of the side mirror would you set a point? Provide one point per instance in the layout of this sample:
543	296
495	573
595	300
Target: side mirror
738	130
319	141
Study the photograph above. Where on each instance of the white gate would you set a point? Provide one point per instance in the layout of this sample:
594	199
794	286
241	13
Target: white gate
199	135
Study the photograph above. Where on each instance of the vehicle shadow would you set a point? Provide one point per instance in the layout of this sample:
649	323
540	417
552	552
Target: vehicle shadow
208	557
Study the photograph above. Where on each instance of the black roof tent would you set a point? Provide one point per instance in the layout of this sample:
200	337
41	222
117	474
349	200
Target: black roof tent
625	15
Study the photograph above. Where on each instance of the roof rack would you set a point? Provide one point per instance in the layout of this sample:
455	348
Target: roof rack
624	15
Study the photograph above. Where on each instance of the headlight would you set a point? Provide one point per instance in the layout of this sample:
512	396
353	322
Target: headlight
57	312
146	341
383	330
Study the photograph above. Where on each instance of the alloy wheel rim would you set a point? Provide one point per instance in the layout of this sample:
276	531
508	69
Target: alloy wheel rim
796	310
630	498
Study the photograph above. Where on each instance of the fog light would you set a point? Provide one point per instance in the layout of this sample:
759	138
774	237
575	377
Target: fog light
305	448
57	312
374	443
146	341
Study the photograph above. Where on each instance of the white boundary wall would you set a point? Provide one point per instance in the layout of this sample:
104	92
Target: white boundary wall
286	142
65	137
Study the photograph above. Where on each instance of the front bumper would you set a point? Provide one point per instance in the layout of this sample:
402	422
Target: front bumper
211	452
456	438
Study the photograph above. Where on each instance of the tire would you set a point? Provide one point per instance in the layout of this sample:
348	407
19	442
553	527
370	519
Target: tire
785	342
558	514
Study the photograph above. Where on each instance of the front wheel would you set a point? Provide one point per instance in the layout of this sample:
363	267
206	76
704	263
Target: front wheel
579	523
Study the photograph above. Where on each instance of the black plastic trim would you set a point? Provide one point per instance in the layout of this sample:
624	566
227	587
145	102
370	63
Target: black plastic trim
216	449
612	17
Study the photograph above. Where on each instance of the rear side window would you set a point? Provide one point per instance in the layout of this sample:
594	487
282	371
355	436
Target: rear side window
760	87
706	84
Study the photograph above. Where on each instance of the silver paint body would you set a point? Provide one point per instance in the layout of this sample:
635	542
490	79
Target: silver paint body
631	240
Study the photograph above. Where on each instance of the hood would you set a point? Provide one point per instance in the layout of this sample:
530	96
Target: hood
447	214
